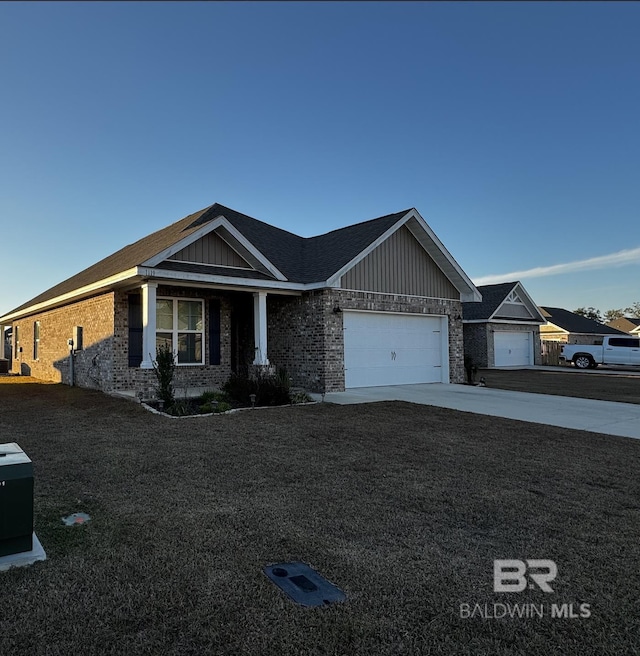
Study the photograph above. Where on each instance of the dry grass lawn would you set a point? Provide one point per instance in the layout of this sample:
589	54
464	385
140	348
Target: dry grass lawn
598	384
404	507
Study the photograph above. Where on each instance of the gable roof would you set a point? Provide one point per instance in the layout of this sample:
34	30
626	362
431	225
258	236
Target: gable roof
493	296
277	254
575	323
626	324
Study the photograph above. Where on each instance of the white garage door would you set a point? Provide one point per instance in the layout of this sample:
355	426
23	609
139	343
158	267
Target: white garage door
513	348
382	348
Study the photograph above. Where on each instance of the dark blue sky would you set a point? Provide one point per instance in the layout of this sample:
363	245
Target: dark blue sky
512	127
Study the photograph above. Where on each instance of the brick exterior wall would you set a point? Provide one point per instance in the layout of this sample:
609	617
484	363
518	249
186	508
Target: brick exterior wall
92	366
479	342
476	344
144	380
306	337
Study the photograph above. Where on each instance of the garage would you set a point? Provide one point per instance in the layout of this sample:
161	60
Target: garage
384	348
513	348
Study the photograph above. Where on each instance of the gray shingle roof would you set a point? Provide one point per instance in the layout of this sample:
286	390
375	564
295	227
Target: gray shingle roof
575	323
492	297
300	259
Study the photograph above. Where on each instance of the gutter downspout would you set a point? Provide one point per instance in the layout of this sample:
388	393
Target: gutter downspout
71	358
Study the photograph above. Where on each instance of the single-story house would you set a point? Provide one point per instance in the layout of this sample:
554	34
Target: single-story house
375	303
571	328
503	330
629	325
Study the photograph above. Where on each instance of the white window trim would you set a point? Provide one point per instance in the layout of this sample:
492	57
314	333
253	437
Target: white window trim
175	331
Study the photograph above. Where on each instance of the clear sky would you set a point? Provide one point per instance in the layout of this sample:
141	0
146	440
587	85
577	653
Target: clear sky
513	128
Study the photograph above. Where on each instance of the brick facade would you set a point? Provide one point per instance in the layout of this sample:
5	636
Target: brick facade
93	366
306	336
479	341
144	380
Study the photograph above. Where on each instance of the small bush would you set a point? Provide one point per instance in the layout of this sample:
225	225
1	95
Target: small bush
179	408
212	397
214	406
239	388
164	368
300	397
269	390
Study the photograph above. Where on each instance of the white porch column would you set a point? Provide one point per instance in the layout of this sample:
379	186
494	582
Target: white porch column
2	327
260	327
148	325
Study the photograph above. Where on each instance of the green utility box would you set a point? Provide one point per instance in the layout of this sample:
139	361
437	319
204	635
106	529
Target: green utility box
16	500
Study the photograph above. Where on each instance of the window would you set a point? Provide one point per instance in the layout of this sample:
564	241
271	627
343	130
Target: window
180	326
16	343
628	342
36	339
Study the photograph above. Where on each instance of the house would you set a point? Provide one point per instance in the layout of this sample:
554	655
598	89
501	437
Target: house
375	303
504	329
571	328
626	324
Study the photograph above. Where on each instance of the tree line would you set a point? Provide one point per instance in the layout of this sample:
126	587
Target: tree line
610	315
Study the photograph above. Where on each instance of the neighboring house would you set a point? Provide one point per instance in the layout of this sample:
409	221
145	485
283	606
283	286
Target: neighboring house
504	329
375	303
571	328
626	324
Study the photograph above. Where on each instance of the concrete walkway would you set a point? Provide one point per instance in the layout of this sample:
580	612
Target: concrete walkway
567	412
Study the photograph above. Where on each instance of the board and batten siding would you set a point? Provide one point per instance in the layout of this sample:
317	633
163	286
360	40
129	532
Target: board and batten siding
211	249
400	266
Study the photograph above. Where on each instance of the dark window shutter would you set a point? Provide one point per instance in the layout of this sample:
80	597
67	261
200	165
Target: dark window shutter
135	330
214	331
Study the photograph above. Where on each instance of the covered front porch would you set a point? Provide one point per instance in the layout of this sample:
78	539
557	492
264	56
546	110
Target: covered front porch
213	332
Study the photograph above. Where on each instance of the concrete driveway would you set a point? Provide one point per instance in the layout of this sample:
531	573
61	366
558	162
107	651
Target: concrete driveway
567	412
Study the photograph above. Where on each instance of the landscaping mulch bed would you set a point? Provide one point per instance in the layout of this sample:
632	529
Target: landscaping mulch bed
404	507
566	382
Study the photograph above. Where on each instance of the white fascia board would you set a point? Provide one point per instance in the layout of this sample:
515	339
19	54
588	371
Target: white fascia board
460	280
64	299
211	226
245	283
519	322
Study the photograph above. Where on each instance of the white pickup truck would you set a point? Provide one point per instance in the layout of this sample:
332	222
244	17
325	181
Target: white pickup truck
614	350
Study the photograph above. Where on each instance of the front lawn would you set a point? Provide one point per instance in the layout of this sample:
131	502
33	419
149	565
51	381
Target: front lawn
599	384
404	507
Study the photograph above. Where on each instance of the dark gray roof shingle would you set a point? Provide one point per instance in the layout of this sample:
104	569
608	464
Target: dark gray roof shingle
575	323
300	259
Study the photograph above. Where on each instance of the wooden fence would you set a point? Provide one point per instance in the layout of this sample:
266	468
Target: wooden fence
551	353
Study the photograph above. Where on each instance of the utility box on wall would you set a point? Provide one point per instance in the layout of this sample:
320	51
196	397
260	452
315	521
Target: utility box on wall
16	500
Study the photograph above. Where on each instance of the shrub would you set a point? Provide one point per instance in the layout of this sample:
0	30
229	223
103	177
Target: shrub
212	397
300	397
239	388
164	368
269	390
